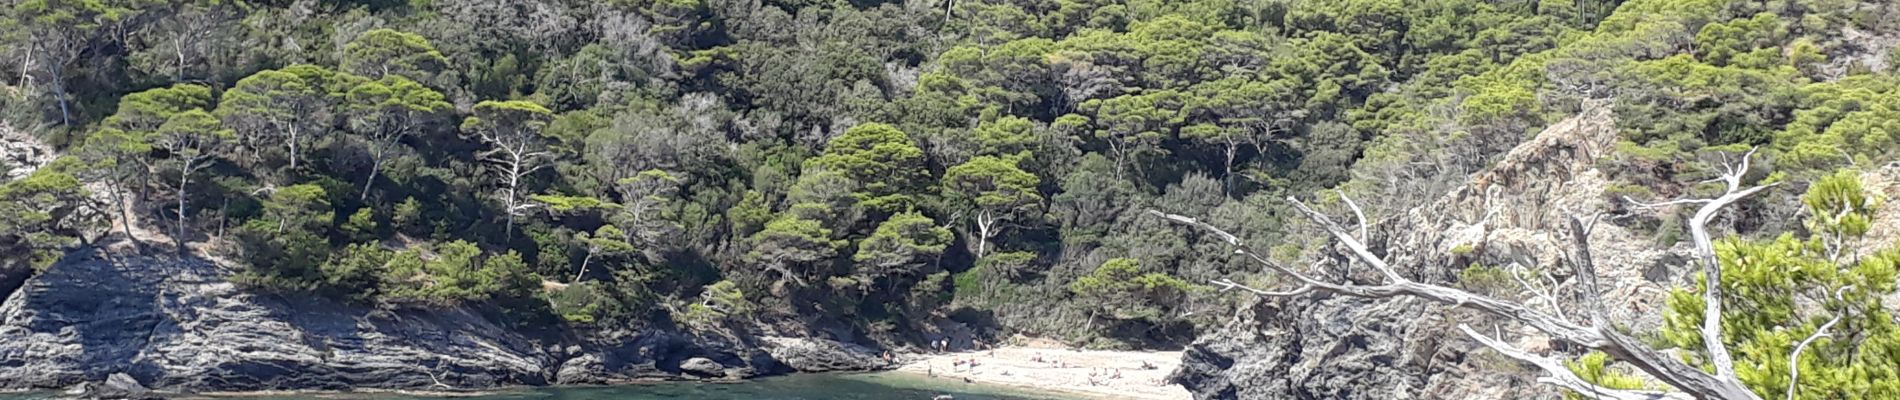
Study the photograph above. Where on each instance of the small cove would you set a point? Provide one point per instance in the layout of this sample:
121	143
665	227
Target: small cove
868	386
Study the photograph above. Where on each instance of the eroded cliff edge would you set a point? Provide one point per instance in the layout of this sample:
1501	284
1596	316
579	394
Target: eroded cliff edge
179	323
1320	346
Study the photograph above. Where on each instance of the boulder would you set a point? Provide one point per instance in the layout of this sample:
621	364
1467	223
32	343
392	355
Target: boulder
823	355
121	386
703	367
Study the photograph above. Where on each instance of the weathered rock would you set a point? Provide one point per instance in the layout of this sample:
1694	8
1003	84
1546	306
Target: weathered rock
179	323
1335	347
822	355
122	386
701	366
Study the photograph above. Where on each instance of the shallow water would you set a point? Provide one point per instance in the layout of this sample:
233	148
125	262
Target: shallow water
876	386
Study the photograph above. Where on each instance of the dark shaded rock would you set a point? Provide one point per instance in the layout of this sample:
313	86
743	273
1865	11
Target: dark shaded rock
122	386
1320	346
180	324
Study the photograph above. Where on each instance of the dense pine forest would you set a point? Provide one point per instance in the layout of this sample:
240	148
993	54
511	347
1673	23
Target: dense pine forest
873	166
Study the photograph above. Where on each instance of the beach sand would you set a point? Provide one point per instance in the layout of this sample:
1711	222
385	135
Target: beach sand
1016	366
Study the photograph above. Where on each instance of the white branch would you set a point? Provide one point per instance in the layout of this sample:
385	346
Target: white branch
1228	284
1711	267
1693	382
1356	213
1557	374
1794	358
1351	243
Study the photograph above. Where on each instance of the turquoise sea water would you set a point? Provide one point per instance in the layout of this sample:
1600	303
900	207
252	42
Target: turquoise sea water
876	386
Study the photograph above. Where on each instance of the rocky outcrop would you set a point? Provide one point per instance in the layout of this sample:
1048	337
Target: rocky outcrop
21	153
1333	347
821	355
180	324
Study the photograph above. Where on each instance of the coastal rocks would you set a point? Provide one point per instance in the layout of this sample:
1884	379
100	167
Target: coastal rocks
822	355
179	323
1337	347
610	357
703	367
122	386
115	387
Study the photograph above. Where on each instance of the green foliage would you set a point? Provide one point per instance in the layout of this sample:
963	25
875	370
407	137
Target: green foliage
719	303
380	53
457	273
1594	368
903	249
355	272
581	303
1764	286
43	215
649	149
1120	290
886	164
1488	280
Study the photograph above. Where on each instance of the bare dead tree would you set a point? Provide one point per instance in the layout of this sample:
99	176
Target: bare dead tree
1596	334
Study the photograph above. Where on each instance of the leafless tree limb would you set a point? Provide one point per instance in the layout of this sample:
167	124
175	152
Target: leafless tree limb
1351	243
1356	213
1794	358
1711	267
1692	382
1561	375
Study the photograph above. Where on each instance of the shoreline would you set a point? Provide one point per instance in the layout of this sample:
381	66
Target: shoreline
1087	373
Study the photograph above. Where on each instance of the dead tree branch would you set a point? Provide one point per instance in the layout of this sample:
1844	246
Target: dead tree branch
1562	376
1711	267
1690	381
1794	358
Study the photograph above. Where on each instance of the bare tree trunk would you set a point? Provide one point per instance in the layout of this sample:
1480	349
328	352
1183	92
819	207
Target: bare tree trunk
514	182
584	261
292	143
985	228
184	179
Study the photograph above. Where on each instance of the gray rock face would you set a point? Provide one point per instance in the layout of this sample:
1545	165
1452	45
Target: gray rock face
821	355
180	324
1335	347
121	386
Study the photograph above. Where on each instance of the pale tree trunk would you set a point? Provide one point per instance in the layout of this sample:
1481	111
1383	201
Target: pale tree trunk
375	166
584	260
383	146
1227	181
986	229
514	185
292	144
116	184
184	179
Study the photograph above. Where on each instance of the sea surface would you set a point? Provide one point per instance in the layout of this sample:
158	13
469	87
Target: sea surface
873	386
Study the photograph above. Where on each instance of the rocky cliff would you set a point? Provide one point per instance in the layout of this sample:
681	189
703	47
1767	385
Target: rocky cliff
180	324
1320	346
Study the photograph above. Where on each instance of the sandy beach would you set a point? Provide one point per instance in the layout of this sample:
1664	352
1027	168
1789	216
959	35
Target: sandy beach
1061	370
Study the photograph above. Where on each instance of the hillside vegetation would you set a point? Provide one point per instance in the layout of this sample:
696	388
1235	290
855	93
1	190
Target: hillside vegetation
877	166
